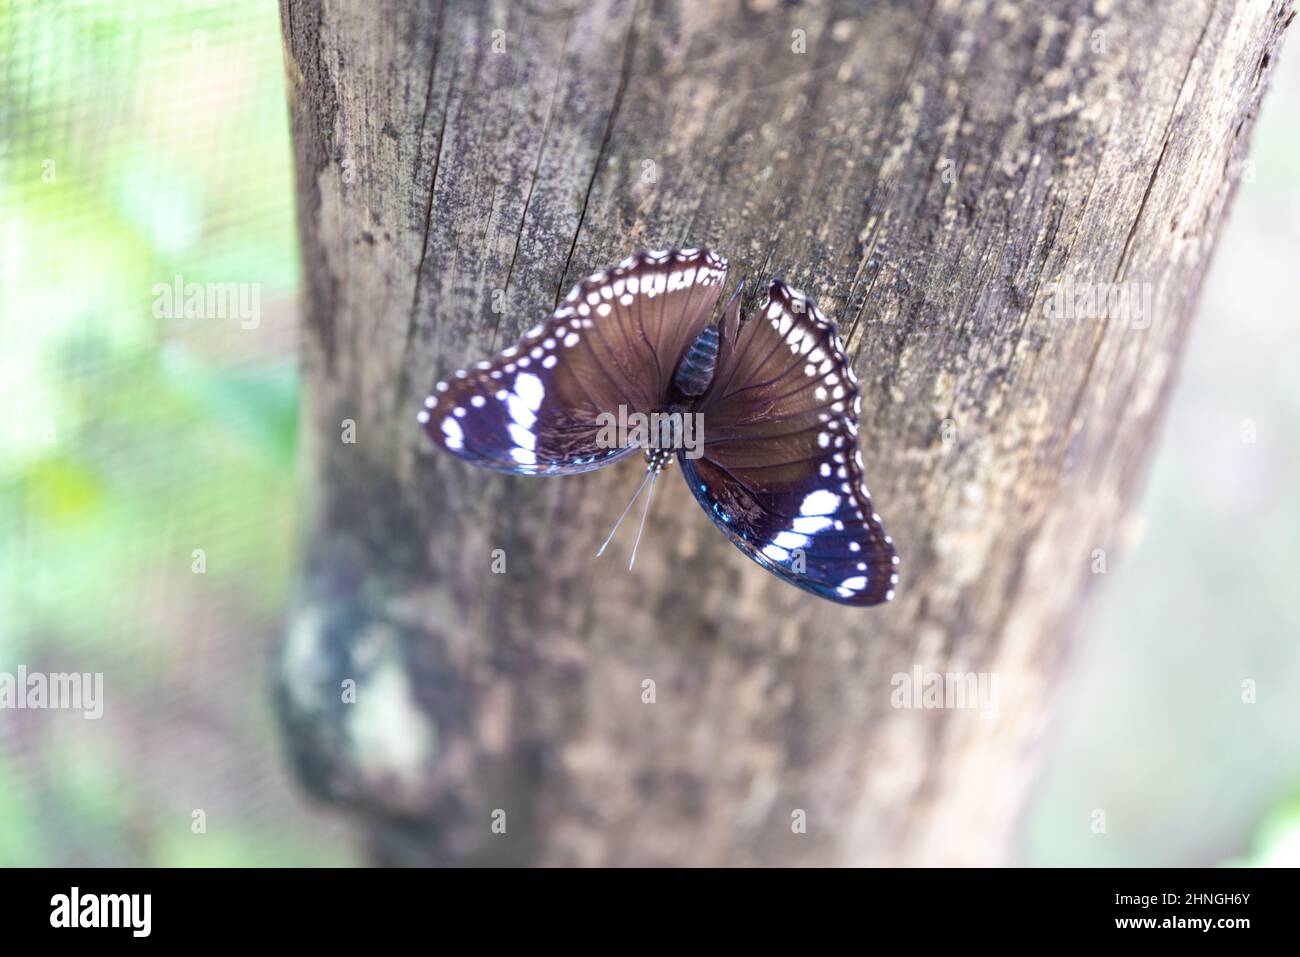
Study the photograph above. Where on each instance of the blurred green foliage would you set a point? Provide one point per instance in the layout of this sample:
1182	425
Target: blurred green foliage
140	142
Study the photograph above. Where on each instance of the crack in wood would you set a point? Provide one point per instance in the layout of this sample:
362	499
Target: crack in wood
413	316
541	150
629	50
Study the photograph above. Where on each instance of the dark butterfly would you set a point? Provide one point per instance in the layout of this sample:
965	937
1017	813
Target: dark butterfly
778	469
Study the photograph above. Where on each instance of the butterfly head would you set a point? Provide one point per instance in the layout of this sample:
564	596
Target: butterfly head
657	460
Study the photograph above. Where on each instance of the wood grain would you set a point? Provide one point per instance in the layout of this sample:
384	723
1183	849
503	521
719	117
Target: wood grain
928	173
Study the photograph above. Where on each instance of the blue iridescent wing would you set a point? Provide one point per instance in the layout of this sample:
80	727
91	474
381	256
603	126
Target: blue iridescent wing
780	472
538	407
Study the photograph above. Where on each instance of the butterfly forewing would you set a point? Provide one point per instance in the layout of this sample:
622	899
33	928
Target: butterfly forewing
540	406
781	473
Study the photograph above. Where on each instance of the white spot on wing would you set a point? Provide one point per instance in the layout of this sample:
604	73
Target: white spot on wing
520	412
820	502
529	388
810	523
523	438
790	540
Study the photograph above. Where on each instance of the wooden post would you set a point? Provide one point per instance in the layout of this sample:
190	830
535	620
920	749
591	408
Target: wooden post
934	174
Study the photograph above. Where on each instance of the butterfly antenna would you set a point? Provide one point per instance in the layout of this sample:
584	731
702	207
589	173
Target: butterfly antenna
733	302
649	473
654	473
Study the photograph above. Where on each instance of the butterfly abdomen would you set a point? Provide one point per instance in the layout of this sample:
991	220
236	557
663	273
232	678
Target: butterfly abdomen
696	369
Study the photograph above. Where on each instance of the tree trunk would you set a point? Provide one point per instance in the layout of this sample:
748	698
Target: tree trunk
932	175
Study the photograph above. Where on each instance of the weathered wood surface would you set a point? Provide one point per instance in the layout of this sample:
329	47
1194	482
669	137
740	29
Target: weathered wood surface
927	171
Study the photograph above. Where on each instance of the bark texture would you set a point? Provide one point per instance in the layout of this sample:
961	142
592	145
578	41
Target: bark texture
928	172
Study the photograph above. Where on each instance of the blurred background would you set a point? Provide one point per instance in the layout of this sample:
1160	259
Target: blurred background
148	491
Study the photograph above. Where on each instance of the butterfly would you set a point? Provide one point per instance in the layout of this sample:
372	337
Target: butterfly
775	463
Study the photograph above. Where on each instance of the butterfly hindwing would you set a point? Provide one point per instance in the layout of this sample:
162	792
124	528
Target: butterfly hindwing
539	406
780	473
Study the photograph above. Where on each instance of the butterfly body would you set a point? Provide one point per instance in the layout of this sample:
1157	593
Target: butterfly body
696	370
778	470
